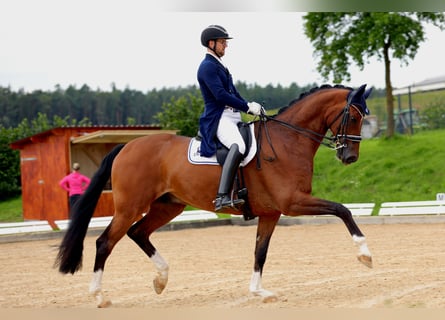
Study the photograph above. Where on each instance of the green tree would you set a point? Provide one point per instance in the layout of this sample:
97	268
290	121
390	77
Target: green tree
9	164
339	37
434	114
182	114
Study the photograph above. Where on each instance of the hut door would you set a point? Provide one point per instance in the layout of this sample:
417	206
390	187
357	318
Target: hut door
33	185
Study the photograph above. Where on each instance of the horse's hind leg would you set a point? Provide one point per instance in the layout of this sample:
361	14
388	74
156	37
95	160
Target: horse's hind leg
158	215
104	245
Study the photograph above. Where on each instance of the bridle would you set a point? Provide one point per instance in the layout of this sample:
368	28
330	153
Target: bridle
334	142
343	129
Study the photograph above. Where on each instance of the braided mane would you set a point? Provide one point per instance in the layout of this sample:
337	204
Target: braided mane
311	91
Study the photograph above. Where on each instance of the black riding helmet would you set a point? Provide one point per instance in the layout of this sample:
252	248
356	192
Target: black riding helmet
213	32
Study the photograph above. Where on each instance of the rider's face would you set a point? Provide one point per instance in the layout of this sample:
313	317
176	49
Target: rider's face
220	46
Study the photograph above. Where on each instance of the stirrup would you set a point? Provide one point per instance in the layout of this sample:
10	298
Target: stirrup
225	202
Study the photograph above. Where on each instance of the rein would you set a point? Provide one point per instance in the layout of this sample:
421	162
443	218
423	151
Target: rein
333	142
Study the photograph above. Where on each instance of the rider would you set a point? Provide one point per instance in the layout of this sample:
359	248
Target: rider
221	114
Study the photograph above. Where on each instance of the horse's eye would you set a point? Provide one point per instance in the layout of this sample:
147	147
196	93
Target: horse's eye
353	119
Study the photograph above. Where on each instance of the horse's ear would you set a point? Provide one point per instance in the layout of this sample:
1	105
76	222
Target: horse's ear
361	90
367	93
358	97
364	92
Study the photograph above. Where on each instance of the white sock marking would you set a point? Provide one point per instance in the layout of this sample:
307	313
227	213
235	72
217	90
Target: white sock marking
96	282
363	247
160	263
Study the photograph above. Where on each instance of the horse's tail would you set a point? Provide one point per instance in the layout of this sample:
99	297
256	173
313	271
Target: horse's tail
69	258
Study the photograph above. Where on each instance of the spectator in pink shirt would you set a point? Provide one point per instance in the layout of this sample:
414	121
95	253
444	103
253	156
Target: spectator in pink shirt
75	183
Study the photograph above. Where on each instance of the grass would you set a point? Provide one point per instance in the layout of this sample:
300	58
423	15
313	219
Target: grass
220	215
404	168
11	210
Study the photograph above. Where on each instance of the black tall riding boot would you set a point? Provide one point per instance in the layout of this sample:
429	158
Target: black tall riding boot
231	165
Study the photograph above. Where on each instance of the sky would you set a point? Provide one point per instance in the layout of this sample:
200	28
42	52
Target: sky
133	44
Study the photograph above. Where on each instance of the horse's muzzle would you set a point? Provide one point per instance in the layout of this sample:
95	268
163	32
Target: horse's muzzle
350	159
347	155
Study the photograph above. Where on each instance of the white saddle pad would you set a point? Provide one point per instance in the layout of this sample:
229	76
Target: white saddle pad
195	157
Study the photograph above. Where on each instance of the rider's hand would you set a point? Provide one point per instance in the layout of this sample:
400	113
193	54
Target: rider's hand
255	108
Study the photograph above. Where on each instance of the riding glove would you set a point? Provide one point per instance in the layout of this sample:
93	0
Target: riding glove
255	108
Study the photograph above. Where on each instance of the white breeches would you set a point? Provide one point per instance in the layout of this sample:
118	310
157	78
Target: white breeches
228	132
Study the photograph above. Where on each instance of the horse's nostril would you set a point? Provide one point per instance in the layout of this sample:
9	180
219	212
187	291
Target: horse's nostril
351	159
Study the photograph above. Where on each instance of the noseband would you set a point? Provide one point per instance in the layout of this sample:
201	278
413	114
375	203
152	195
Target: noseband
340	138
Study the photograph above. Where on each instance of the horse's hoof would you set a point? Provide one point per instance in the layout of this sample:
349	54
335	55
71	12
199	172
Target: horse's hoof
366	260
159	285
104	304
269	299
267	296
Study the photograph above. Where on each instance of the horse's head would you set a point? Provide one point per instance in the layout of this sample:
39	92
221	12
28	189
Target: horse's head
347	125
323	108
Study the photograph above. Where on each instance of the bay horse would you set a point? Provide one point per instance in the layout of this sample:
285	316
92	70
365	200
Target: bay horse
152	182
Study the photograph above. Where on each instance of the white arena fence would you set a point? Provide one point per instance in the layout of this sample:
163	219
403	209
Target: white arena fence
409	208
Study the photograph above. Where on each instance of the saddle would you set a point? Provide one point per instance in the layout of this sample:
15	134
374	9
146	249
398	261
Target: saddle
239	184
222	150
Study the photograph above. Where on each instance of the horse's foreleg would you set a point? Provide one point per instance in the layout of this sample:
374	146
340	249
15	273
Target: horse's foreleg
266	226
364	255
161	279
324	207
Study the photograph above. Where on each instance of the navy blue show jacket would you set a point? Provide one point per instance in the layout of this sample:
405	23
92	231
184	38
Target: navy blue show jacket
218	91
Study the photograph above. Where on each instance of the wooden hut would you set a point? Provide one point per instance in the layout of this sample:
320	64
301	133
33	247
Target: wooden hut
47	157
